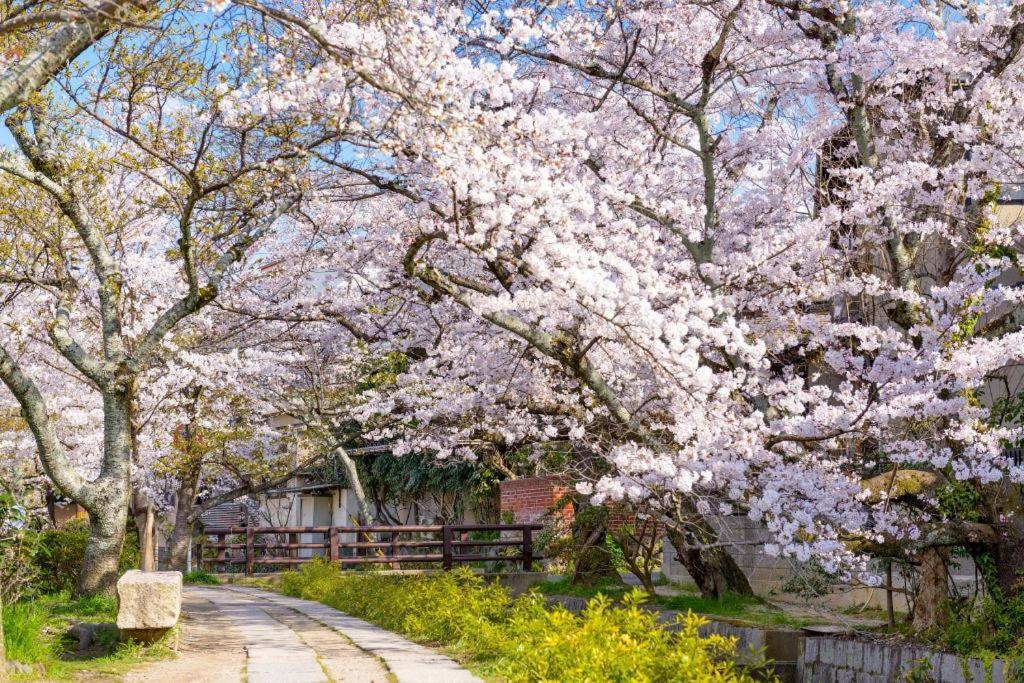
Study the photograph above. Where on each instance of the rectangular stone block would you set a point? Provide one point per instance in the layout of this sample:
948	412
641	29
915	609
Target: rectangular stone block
826	651
950	670
855	655
873	659
811	650
148	600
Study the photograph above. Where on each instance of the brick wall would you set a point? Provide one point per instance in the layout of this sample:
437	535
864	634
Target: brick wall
530	499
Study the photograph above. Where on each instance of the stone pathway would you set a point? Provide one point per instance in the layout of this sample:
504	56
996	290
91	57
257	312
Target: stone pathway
232	634
406	661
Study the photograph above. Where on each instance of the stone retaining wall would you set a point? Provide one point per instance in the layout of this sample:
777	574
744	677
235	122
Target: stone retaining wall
844	660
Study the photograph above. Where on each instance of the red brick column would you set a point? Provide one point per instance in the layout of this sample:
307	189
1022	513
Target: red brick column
528	500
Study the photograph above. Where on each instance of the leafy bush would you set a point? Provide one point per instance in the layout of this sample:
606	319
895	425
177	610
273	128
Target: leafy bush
993	625
519	639
18	543
61	551
201	576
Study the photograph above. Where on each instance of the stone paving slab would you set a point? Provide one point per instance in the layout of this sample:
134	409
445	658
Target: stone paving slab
409	662
275	652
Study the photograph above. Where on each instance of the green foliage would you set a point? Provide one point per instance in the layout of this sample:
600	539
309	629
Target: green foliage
990	625
519	639
61	551
564	586
24	640
919	672
34	633
201	577
18	542
959	500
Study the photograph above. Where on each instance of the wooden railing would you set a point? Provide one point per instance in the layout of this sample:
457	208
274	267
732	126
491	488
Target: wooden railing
448	545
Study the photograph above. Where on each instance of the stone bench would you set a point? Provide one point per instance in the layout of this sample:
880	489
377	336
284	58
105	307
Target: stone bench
149	604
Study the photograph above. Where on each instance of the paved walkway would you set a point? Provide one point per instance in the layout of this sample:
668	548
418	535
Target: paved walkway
243	634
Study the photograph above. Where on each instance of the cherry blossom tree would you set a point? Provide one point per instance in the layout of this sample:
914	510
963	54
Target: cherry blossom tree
748	251
160	208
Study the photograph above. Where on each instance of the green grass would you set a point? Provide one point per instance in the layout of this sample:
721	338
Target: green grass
750	610
201	577
564	586
23	632
35	634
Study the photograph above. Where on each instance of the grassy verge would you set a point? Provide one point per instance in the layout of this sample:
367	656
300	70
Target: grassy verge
35	635
518	639
749	610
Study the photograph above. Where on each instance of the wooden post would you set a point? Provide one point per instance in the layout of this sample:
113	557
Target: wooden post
199	553
293	553
446	546
250	551
333	535
527	548
222	552
890	612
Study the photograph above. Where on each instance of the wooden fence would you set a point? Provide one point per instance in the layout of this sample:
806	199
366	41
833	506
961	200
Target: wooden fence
448	545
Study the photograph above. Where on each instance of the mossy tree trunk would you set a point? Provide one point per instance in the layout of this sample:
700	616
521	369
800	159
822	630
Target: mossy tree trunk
931	603
712	568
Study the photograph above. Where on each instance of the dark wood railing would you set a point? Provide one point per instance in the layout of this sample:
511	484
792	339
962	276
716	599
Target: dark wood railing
447	544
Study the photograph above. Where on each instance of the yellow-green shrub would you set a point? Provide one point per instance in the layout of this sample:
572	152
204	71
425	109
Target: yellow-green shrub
520	640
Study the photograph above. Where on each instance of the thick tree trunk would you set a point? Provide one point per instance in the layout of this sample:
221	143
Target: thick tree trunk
931	604
107	504
1010	557
713	569
593	561
144	522
100	566
181	534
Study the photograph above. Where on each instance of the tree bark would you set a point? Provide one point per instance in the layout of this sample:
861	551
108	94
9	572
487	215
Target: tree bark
713	569
931	603
107	503
144	521
593	561
181	534
100	566
1010	557
356	484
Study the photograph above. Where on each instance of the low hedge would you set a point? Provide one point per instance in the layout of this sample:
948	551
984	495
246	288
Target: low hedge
520	639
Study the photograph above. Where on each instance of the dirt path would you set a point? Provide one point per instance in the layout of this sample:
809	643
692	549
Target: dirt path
210	650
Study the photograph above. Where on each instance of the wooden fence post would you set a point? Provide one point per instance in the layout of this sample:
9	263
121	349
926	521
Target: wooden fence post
446	546
222	552
199	554
250	551
333	535
527	548
293	553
